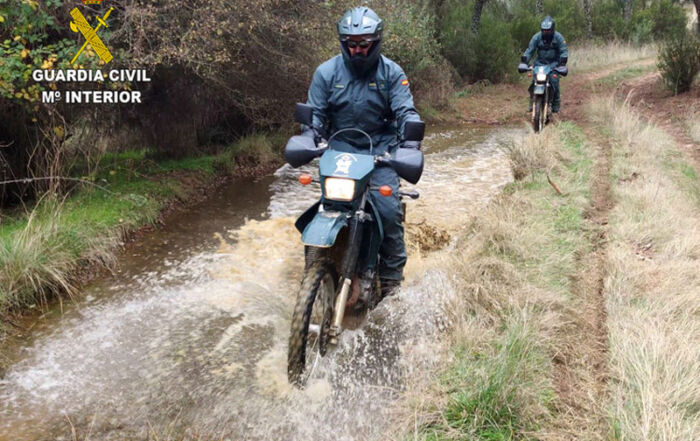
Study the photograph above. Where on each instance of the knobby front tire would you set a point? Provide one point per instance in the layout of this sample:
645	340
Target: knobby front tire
538	114
314	306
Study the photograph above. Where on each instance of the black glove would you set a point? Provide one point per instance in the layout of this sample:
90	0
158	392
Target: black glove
562	61
524	59
411	145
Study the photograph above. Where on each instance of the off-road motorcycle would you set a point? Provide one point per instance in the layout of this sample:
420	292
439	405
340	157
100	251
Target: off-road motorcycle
542	91
341	233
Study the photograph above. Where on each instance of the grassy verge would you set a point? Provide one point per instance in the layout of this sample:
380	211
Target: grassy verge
653	282
616	78
515	273
42	248
587	58
692	124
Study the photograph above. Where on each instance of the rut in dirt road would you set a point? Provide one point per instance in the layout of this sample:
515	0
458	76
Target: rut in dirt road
581	368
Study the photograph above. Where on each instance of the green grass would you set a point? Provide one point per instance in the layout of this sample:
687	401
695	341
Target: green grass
619	76
41	249
683	174
488	386
501	388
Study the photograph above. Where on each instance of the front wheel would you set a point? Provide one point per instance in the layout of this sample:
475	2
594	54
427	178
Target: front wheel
538	115
311	320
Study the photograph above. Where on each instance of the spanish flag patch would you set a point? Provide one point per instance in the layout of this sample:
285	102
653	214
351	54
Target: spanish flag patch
404	82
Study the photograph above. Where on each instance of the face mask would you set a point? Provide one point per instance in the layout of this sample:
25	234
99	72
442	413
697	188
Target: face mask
359	62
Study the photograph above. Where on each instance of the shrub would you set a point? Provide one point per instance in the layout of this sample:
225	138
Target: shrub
488	55
409	39
608	20
679	61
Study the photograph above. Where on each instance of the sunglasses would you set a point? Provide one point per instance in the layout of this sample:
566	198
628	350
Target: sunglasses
364	44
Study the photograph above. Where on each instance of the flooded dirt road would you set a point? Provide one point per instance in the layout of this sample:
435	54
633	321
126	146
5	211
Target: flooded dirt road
189	339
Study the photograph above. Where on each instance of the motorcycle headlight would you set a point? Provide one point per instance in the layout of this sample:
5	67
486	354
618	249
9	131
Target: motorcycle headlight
339	189
541	78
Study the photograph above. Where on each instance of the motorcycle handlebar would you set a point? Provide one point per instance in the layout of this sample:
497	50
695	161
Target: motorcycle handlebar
352	129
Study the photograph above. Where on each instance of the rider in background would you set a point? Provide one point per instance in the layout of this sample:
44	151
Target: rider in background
551	50
360	88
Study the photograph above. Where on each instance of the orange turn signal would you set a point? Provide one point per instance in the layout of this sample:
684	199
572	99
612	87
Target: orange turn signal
385	190
529	74
555	76
305	179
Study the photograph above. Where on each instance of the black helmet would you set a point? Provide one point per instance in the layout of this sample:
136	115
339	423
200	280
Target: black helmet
547	29
361	21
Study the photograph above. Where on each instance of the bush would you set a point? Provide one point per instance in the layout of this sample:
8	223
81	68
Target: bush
665	17
679	61
409	40
609	21
489	55
656	20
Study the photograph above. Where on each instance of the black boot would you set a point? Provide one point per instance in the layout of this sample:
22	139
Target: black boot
389	287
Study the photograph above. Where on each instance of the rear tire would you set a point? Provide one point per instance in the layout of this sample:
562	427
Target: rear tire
538	114
314	306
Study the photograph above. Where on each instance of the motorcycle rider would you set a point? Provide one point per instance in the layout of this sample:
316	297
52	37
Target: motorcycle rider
551	50
360	88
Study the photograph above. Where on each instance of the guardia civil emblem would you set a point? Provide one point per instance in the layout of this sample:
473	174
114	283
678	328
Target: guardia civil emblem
343	163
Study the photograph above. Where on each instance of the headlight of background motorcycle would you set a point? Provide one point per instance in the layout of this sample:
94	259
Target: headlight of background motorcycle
340	189
541	78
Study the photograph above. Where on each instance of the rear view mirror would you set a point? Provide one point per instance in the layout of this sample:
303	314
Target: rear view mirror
414	130
303	113
301	150
408	164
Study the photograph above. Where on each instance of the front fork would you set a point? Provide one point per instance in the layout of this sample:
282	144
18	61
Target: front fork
348	269
545	108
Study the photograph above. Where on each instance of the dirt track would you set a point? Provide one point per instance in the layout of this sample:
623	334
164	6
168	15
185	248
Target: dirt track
582	371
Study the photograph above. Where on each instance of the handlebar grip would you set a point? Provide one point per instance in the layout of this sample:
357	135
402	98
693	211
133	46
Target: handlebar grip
413	194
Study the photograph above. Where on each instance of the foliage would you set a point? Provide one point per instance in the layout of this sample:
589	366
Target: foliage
487	55
410	41
648	22
679	61
33	133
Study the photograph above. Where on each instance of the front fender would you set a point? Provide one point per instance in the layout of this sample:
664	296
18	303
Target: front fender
322	230
539	89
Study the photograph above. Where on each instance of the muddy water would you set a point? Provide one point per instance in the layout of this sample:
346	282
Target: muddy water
188	341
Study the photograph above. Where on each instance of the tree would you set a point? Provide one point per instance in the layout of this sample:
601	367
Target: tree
588	12
628	9
540	7
697	10
476	16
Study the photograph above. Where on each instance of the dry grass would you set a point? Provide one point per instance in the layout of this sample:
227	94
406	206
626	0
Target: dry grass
513	273
652	284
586	58
40	259
692	123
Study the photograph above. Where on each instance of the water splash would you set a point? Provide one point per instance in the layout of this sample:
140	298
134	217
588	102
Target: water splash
196	348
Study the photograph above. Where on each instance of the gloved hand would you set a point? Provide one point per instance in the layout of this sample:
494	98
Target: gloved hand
524	59
562	61
411	145
311	133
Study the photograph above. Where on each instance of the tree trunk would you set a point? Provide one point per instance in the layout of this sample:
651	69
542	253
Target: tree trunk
628	9
697	10
588	12
540	7
476	16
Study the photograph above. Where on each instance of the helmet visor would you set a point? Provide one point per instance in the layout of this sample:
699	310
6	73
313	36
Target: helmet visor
367	37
